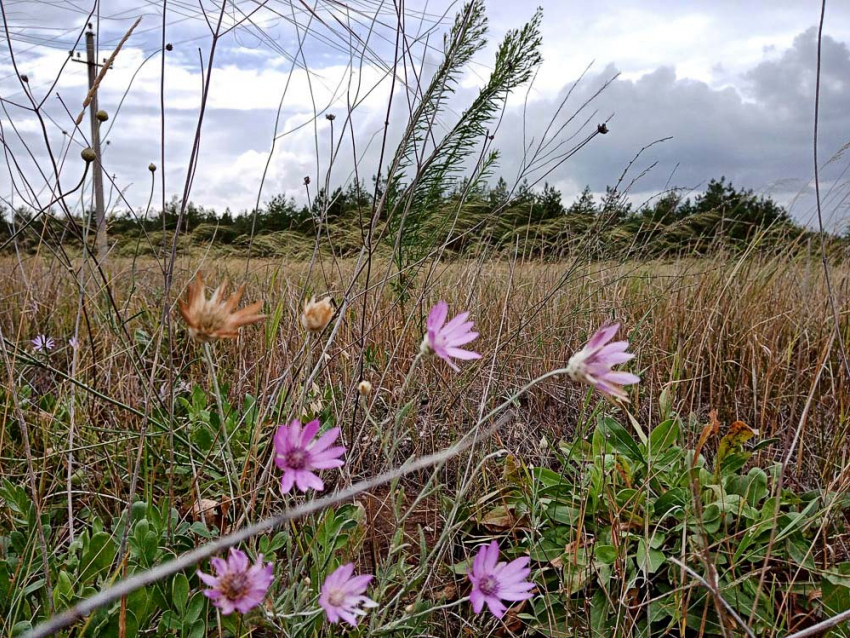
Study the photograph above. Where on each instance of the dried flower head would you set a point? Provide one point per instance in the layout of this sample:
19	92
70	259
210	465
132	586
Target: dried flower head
317	314
493	582
237	585
592	364
364	388
342	595
444	338
213	318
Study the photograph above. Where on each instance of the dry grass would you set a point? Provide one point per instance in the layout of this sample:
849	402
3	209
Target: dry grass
744	337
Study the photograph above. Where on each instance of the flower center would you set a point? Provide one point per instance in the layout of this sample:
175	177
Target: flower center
234	585
488	585
337	597
296	459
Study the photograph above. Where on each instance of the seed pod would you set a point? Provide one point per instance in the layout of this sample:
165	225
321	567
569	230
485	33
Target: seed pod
101	115
152	167
88	154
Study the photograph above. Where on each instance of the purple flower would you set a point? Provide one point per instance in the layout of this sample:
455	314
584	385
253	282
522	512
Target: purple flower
42	343
237	585
494	582
297	454
342	595
592	364
73	342
444	338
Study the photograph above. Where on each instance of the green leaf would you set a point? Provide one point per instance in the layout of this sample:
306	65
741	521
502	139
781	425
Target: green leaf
619	439
662	437
563	514
180	592
97	558
195	608
198	629
606	554
648	558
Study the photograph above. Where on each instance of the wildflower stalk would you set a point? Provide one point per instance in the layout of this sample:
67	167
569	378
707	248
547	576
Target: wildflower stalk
410	373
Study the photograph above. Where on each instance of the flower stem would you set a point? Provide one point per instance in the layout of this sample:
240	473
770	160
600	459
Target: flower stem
410	373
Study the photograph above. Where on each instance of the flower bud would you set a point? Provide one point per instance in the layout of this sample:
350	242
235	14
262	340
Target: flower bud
88	154
101	115
317	314
364	388
152	167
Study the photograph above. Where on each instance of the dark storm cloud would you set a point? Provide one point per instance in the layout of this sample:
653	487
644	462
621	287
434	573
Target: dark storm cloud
760	135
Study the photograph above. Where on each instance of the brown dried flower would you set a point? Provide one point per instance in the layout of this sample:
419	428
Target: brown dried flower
212	319
317	314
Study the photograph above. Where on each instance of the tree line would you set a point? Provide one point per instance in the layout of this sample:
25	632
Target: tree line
469	218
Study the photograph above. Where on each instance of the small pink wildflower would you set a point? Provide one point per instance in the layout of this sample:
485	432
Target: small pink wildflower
73	342
237	585
342	595
493	582
43	343
592	364
444	338
298	454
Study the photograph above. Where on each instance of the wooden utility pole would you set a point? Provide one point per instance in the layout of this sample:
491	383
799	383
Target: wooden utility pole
97	175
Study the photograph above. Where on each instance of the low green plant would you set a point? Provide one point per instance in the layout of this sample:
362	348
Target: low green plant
613	527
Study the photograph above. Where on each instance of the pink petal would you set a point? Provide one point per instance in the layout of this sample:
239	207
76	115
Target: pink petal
463	339
445	357
602	336
295	433
515	596
306	480
212	581
287	481
622	378
465	355
496	607
348	617
327	461
491	557
358	584
324	441
281	439
454	323
437	316
309	432
477	600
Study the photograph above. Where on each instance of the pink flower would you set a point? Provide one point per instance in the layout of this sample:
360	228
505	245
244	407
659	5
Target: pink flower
592	364
297	454
444	338
342	595
73	342
494	582
43	343
237	585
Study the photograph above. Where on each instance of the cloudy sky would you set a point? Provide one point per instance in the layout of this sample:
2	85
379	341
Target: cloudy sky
730	83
